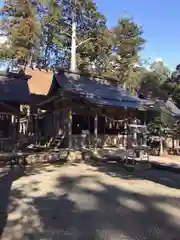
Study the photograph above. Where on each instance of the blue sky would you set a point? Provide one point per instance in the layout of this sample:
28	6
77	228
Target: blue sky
160	20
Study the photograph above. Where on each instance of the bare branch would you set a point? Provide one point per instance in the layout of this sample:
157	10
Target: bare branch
66	34
86	40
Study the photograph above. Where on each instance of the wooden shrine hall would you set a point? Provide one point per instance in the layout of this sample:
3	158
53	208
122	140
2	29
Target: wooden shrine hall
69	111
89	113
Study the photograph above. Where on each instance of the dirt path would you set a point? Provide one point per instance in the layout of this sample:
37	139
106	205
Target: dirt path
88	203
172	161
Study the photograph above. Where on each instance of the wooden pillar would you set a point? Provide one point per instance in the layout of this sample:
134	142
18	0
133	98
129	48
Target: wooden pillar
70	129
125	135
161	150
96	129
145	118
145	123
16	130
89	133
36	130
104	132
135	136
11	127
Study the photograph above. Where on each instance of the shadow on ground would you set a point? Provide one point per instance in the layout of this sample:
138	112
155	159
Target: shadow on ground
6	181
89	208
159	176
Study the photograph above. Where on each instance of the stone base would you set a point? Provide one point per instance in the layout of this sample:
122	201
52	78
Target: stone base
74	156
60	156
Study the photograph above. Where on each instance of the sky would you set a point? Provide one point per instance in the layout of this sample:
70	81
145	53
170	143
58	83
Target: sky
160	20
161	24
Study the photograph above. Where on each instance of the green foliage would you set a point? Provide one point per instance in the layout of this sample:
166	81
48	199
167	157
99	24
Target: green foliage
19	23
150	85
92	30
57	17
52	40
127	39
162	71
156	127
175	131
40	30
176	95
156	83
161	124
175	86
95	52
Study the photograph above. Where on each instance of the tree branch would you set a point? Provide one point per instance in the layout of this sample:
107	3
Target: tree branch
86	40
66	34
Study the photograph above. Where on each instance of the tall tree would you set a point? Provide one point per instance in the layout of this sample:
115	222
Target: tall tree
52	39
149	86
161	70
128	42
19	24
93	56
174	86
57	18
155	82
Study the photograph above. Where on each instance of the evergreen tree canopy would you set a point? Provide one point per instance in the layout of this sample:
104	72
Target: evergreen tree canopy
41	31
57	18
128	41
19	24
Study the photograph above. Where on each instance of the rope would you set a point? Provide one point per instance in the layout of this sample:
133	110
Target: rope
111	119
114	120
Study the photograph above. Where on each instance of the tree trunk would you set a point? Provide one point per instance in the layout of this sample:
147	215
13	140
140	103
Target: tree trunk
73	48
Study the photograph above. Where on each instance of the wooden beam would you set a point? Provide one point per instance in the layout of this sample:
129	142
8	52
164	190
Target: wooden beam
48	101
14	110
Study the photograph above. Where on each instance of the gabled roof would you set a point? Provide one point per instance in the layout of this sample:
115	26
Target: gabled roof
165	106
94	92
15	89
40	81
172	108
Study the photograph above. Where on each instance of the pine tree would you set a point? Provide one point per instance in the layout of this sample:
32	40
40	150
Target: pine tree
92	32
128	42
52	39
19	24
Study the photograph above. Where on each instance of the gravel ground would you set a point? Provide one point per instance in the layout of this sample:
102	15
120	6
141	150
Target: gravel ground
89	203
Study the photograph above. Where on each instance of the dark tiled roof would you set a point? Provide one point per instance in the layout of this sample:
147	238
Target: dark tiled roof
174	110
39	82
165	106
95	92
16	90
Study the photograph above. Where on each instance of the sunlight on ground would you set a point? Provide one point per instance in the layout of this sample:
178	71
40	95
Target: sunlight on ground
78	201
133	204
172	211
